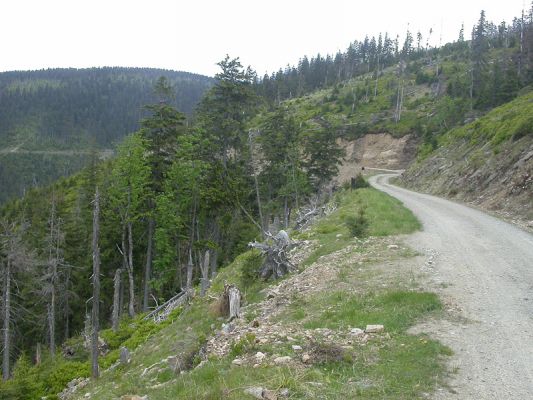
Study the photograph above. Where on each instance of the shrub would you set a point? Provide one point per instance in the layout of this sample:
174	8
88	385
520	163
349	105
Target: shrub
361	182
358	224
250	268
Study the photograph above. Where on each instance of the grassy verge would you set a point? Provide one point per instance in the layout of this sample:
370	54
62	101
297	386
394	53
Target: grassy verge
386	216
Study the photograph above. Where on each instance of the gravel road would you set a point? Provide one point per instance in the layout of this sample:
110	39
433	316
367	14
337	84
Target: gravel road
485	268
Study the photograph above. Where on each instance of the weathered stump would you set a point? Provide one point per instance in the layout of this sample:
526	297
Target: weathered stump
276	262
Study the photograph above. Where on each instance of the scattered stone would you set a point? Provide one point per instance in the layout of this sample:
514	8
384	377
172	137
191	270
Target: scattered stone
306	358
173	363
260	357
256	392
133	397
374	328
338	235
237	361
87	395
269	395
227	328
257	365
125	357
393	246
296	347
357	331
282	360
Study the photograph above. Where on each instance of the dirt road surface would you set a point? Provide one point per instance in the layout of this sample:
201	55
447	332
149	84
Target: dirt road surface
485	267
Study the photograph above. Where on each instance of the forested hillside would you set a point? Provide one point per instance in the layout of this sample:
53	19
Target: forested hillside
52	120
182	200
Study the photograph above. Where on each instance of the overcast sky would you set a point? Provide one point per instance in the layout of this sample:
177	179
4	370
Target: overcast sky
193	35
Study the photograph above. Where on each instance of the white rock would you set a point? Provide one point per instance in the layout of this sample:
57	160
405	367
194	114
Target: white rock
282	360
374	328
393	246
237	361
284	392
357	332
256	392
305	358
295	347
260	356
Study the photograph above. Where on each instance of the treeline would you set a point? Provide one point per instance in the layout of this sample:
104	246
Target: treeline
487	84
175	196
82	107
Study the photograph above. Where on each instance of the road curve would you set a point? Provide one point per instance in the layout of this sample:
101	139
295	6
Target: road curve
486	267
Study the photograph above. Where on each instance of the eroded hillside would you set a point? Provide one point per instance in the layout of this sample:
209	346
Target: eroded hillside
488	162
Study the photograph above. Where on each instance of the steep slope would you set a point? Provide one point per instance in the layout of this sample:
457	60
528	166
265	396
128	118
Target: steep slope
300	337
488	162
52	120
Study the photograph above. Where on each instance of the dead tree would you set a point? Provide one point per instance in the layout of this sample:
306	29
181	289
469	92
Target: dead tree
162	312
16	258
230	302
96	285
115	313
275	249
52	289
148	265
204	269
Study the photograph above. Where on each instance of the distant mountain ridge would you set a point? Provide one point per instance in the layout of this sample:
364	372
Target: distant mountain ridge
50	120
61	106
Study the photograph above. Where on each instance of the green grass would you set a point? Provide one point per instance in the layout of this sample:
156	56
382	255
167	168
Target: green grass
510	121
391	366
397	310
385	214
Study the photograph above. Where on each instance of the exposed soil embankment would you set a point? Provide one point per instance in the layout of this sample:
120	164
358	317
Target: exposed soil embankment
380	150
500	181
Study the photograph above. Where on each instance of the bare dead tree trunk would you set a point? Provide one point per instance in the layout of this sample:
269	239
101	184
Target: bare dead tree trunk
51	325
67	304
205	274
190	267
234	295
285	214
377	80
214	258
231	301
7	320
148	266
115	314
127	257
258	197
53	261
96	286
129	267
38	354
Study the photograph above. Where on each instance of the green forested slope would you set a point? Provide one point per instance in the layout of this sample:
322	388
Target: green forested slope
52	120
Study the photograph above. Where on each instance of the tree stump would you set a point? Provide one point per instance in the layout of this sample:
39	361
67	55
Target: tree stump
276	262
